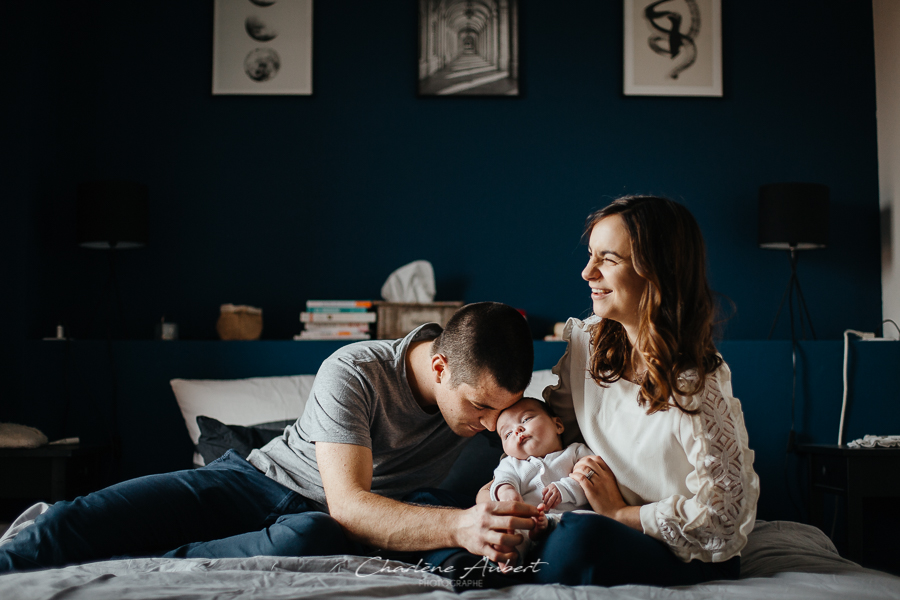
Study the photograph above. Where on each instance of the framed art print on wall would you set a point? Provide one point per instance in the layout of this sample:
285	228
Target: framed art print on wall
468	48
262	47
673	48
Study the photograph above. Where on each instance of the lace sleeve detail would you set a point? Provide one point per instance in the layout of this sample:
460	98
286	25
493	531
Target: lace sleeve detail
714	523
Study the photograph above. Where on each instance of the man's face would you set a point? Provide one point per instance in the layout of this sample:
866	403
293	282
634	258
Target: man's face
469	409
527	430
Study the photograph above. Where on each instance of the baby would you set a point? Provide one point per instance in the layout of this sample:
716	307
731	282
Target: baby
536	467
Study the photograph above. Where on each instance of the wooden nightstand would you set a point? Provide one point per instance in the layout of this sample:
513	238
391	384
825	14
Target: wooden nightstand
48	474
868	482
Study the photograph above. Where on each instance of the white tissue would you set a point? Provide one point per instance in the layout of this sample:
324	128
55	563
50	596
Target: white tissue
410	283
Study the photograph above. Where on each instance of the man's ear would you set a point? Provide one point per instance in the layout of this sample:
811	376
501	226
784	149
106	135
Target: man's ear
439	368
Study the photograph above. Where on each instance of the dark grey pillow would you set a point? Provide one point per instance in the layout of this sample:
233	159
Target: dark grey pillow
216	438
475	466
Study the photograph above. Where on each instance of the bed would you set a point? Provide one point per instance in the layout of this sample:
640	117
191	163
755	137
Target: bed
782	559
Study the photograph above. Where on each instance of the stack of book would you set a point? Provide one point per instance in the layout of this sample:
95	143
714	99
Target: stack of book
337	320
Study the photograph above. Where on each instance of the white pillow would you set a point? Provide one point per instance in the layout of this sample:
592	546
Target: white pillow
240	401
540	380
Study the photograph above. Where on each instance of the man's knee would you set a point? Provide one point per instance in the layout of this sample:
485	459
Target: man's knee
309	534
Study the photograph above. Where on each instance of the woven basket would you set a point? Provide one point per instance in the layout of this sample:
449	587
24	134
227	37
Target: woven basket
239	322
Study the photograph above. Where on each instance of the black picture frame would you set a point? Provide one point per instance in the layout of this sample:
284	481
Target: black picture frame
469	48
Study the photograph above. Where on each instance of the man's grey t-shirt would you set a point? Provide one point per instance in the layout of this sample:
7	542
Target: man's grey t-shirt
361	396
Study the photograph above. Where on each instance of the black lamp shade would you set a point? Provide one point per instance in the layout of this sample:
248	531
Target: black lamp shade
112	214
793	215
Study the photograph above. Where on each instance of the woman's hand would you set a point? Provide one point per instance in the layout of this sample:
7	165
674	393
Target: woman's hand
599	484
603	492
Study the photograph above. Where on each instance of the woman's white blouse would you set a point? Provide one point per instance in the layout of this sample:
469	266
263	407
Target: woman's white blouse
692	475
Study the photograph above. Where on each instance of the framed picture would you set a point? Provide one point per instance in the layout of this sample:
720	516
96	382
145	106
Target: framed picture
262	47
673	48
468	48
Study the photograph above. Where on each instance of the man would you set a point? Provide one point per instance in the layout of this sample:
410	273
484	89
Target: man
384	418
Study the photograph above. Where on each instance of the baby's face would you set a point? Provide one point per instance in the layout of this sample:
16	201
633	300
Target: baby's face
526	430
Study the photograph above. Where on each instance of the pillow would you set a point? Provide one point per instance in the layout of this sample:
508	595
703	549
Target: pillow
240	401
540	380
20	436
216	438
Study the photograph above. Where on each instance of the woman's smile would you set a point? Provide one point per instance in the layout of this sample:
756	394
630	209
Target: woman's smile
616	288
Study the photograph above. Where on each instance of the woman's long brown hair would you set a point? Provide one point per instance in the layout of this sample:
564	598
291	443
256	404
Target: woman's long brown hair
677	309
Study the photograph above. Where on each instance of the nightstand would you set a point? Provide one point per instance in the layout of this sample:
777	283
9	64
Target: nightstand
49	474
868	481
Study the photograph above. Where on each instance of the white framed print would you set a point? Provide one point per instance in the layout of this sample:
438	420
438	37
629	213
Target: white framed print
262	47
673	48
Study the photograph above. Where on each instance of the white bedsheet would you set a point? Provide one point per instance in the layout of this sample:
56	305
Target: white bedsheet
784	560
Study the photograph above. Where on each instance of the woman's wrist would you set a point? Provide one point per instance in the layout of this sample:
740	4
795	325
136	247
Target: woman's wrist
631	516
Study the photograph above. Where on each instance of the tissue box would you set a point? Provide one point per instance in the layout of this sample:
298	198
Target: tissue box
396	319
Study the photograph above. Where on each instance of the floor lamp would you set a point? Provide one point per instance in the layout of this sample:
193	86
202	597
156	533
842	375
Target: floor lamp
112	215
793	217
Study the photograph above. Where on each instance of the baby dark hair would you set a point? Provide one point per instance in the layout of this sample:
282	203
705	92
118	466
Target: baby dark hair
544	407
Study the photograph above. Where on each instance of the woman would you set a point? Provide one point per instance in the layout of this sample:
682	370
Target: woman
642	384
673	478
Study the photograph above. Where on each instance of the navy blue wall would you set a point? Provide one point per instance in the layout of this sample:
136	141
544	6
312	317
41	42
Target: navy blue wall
271	201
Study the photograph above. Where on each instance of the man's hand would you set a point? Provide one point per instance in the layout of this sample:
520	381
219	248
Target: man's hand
488	529
551	496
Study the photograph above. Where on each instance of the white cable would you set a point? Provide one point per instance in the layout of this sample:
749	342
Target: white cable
862	335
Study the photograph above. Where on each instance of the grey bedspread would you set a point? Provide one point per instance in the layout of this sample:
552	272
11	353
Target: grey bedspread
783	560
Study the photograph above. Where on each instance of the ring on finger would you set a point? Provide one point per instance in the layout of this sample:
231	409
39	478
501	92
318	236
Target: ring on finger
590	474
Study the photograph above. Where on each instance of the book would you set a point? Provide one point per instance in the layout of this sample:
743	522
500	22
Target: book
336	309
325	327
338	304
341	317
312	335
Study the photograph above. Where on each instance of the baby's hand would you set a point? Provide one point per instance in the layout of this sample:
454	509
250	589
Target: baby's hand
551	496
507	493
540	524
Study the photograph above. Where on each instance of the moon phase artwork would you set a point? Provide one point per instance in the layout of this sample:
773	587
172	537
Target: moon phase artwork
258	30
673	48
262	47
262	64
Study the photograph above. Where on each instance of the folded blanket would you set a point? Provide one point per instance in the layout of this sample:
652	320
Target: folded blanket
876	441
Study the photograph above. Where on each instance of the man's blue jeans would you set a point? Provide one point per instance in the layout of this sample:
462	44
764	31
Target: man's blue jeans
226	509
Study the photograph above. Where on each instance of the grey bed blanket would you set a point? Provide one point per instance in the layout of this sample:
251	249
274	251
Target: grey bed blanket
782	560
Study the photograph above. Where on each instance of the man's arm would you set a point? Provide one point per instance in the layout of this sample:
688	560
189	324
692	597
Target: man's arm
346	472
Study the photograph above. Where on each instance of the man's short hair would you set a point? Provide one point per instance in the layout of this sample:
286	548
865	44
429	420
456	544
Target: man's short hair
487	337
